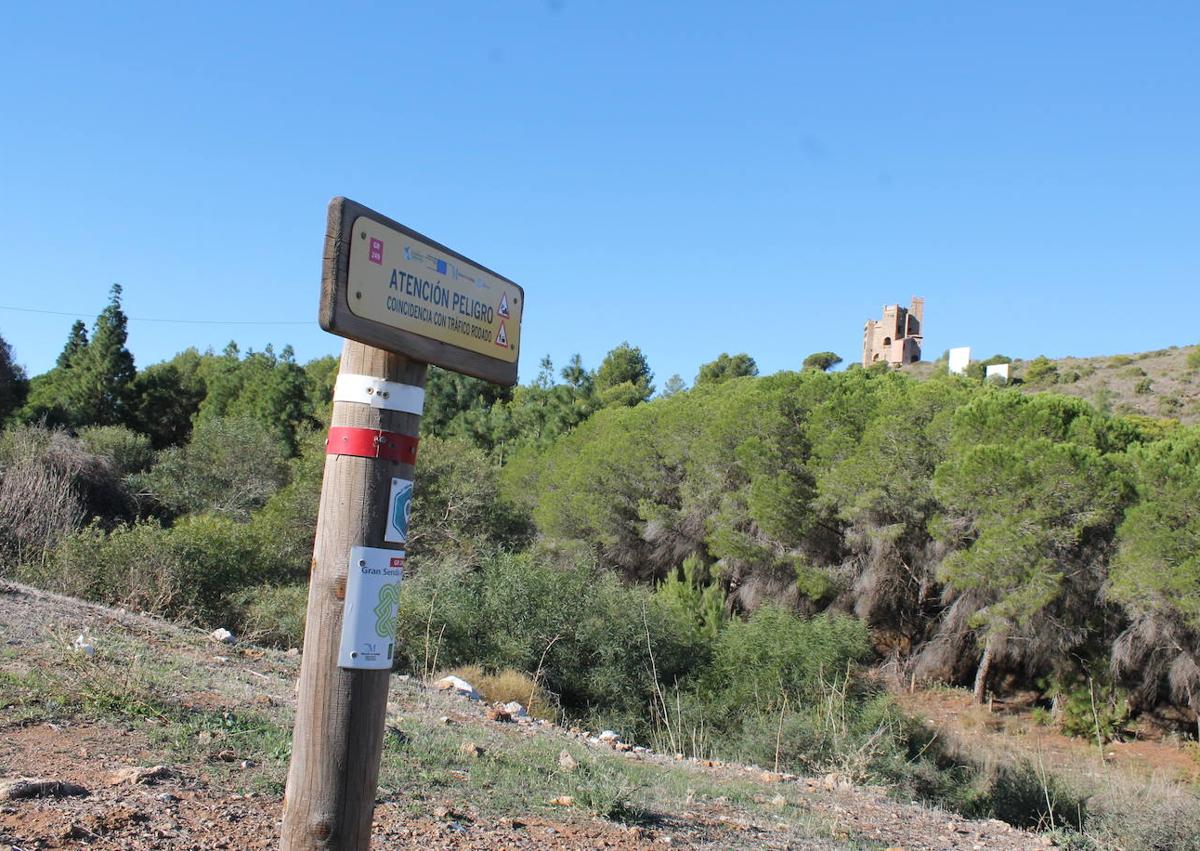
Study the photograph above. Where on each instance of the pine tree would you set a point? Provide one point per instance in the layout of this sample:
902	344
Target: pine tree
13	383
168	395
1026	521
726	367
104	371
624	377
264	387
674	384
576	375
823	361
77	343
92	381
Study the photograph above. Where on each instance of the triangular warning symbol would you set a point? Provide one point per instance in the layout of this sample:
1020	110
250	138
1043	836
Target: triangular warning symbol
502	336
503	308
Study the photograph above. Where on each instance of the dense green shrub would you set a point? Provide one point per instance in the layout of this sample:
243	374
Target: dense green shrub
457	511
775	656
270	614
186	571
784	690
127	451
693	596
1041	370
285	526
1091	710
586	638
168	395
229	467
131	566
618	656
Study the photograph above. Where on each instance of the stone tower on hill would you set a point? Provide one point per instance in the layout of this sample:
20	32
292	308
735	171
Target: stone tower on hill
896	338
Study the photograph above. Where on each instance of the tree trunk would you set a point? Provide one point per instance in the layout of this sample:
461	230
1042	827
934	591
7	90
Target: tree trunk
981	675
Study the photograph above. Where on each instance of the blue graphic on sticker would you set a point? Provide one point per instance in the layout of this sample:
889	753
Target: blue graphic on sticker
441	267
401	511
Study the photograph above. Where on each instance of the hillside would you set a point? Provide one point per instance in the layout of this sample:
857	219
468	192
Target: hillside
180	742
1152	384
737	571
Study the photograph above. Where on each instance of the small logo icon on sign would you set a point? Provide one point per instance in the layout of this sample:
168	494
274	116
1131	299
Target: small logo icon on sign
399	511
503	308
376	255
396	562
502	336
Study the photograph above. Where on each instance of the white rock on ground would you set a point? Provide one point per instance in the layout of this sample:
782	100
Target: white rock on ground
222	635
81	644
609	737
459	686
515	709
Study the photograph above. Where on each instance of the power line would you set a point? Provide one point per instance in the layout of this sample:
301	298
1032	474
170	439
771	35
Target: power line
83	315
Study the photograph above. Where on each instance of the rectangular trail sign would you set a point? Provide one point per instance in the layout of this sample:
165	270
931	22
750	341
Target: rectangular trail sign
390	287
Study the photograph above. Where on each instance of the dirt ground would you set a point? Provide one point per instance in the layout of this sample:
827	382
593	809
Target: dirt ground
182	811
1006	727
146	789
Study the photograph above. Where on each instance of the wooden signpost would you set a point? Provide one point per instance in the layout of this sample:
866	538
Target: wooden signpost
403	302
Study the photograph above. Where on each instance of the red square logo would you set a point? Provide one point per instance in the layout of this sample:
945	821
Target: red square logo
397	562
376	255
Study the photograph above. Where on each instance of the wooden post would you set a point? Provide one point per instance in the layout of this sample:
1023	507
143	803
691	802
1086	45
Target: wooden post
338	738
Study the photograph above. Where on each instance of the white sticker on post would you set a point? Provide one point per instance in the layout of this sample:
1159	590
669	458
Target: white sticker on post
369	614
379	393
399	510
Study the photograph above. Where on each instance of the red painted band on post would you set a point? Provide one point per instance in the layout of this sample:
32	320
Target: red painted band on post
372	443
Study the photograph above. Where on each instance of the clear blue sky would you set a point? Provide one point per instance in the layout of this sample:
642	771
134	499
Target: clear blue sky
694	177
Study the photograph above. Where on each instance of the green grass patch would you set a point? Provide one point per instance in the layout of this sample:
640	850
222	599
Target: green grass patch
424	761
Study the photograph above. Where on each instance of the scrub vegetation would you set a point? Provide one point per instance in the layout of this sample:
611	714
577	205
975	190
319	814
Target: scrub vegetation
735	570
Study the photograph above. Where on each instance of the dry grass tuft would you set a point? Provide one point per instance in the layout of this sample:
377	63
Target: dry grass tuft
507	685
1145	816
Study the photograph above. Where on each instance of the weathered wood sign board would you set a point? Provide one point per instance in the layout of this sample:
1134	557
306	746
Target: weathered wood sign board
390	287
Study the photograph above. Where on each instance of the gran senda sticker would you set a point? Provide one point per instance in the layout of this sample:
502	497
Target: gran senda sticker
369	612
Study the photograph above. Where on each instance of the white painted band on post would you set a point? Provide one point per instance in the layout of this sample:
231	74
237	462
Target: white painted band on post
390	395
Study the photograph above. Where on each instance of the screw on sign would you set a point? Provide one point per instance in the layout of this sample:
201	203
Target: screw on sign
402	301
